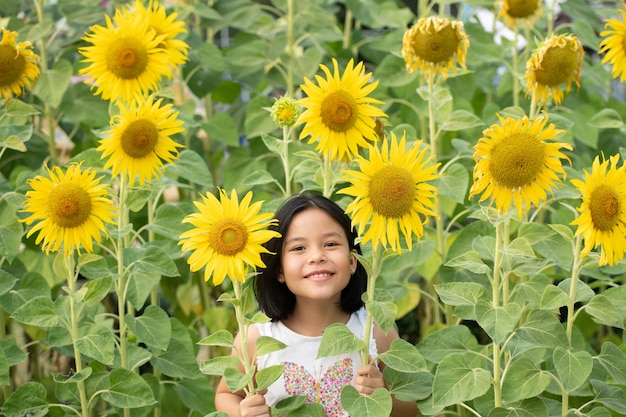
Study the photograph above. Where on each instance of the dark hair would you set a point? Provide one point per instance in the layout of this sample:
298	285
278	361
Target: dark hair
275	299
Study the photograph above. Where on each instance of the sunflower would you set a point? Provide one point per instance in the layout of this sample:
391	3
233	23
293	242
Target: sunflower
285	111
613	44
140	139
558	60
516	164
522	12
18	66
227	237
433	44
338	111
602	219
124	59
164	26
392	192
68	209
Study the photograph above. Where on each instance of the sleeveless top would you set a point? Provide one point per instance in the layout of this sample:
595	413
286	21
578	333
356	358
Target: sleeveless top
319	380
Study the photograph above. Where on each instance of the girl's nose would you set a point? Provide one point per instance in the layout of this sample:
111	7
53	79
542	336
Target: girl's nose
317	255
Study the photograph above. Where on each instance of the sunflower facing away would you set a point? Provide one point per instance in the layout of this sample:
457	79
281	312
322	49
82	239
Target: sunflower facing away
68	209
227	236
338	112
516	164
558	60
602	219
165	26
140	139
433	44
125	58
613	44
522	12
392	192
19	67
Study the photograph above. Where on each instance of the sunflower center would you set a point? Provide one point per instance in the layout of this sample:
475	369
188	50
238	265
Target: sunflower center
339	111
12	65
516	161
604	208
436	46
228	237
558	65
392	191
127	58
139	138
520	9
69	205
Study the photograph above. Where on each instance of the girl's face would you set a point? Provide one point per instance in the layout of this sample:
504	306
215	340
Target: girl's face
317	261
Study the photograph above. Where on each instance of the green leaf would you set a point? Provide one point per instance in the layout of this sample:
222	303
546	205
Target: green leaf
553	297
447	341
258	120
295	407
218	365
383	308
403	356
17	108
607	119
13	354
602	311
337	340
10	240
192	167
7	282
498	322
583	292
573	368
409	386
193	393
221	127
218	338
38	311
28	399
267	376
609	395
377	404
153	260
523	379
267	344
14	136
5	375
259	177
74	378
177	361
168	221
272	143
614	361
454	183
152	327
469	261
96	290
461	120
460	293
98	344
459	379
53	83
542	329
128	390
531	407
236	380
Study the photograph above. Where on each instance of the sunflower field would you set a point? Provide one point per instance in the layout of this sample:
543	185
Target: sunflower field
478	147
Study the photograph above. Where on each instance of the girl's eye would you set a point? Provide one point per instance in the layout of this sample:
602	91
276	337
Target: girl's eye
331	244
297	248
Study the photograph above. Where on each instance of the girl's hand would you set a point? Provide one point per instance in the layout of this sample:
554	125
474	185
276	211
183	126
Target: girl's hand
254	406
370	378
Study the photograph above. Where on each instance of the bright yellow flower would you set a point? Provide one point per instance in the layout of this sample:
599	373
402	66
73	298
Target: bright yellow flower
125	59
18	66
516	164
228	236
338	112
392	193
165	27
602	219
140	139
433	44
68	209
613	44
522	12
558	60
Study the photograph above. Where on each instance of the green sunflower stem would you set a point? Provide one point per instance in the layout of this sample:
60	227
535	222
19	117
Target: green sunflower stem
328	184
290	47
243	331
371	288
571	314
71	283
495	296
285	158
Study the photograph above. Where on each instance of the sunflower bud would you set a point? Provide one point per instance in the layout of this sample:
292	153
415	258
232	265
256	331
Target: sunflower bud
285	111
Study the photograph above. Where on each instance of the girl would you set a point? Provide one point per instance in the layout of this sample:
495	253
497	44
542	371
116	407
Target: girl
312	279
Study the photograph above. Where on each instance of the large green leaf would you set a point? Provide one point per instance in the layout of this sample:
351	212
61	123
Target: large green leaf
98	344
377	404
532	407
152	327
573	368
458	378
611	396
614	361
383	308
197	394
542	329
53	83
217	366
409	386
267	376
460	293
128	390
28	399
602	311
38	311
192	167
523	379
498	322
403	356
338	339
177	361
449	340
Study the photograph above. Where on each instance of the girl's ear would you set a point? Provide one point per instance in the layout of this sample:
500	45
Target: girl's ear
281	278
353	261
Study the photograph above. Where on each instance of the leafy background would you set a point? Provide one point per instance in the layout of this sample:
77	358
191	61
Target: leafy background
242	56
